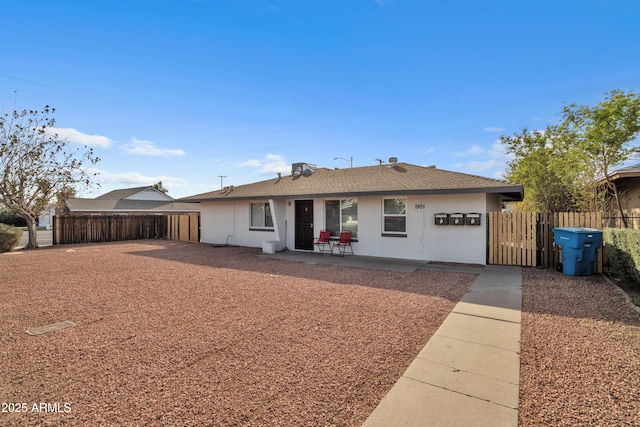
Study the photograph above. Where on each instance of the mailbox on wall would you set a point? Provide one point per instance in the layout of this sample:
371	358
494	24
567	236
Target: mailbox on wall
442	219
472	219
456	219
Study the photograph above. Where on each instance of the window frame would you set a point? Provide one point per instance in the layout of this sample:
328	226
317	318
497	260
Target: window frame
267	215
354	234
385	215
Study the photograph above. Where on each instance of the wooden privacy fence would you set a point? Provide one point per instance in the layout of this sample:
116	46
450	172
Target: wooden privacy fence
113	228
526	238
184	227
107	228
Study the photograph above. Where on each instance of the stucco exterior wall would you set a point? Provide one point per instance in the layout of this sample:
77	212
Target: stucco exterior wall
424	240
228	223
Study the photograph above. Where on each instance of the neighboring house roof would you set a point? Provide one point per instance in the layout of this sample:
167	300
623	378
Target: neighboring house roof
628	172
136	193
112	205
131	200
401	179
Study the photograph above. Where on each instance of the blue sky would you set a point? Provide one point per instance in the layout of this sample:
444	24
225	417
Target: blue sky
182	91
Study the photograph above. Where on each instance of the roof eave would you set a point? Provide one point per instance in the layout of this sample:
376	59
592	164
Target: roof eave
514	192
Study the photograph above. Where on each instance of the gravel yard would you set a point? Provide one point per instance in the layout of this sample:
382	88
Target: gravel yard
580	353
169	333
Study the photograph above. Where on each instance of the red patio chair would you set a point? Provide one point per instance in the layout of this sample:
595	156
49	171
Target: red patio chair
322	241
343	243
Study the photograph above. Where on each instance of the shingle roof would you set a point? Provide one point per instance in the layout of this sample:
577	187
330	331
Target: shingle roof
628	172
121	193
129	206
127	192
401	179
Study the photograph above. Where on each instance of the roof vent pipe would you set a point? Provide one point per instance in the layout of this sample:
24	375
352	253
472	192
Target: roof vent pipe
393	161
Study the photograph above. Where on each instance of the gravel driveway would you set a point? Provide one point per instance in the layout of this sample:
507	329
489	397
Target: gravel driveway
170	333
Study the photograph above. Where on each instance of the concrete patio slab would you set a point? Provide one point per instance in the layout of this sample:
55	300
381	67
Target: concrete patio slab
370	262
377	263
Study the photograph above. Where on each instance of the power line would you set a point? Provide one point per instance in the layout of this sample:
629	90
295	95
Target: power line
31	82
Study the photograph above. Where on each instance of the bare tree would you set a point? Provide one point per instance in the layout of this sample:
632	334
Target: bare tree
35	165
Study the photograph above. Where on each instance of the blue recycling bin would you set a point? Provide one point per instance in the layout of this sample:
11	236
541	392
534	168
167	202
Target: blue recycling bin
579	246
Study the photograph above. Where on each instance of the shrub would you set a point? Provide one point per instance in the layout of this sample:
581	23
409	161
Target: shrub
10	218
623	247
9	237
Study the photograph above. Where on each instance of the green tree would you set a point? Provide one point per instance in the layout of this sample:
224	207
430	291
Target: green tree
549	167
158	186
10	218
35	165
605	133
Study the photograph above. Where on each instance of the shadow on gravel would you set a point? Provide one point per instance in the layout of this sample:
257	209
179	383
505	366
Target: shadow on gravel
248	259
589	297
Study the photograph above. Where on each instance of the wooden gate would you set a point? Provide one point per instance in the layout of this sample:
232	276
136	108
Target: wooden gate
526	238
185	227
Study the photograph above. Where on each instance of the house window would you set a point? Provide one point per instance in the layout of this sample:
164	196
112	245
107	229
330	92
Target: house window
395	216
341	215
261	216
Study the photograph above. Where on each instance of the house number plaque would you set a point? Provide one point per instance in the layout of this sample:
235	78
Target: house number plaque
420	206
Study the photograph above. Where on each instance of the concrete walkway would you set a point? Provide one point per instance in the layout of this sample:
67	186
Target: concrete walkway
469	371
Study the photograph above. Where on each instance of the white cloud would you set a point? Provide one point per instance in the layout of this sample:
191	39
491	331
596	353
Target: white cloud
147	148
270	164
493	129
495	151
473	151
481	159
481	166
136	179
251	163
76	137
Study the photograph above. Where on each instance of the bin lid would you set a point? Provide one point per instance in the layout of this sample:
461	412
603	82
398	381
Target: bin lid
577	230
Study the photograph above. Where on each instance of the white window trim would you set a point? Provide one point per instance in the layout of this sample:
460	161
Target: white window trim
385	215
257	227
339	200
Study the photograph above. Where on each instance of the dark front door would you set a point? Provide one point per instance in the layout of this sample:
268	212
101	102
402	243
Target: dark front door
304	224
